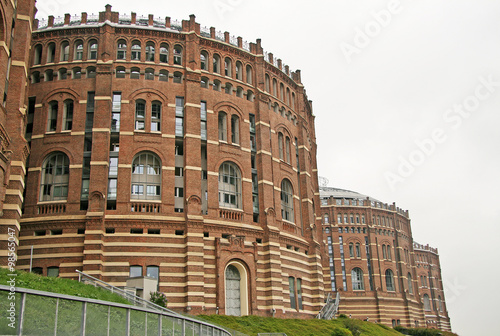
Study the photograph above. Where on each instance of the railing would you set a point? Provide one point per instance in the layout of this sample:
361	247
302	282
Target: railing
231	215
330	308
56	208
33	312
271	334
145	207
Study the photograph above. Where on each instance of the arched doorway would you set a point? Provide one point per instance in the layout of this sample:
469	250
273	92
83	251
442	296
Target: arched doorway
236	289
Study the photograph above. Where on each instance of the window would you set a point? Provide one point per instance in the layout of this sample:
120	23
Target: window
153	272
63	73
155	116
357	279
53	271
222	122
64	56
163	53
280	145
179	116
136	51
204	82
140	114
287	149
92	50
216	85
51	53
249	74
326	219
91	72
135	271
78	52
427	302
299	293
339	218
76	73
410	285
358	250
178	55
49	75
275	87
55	178
37	270
37	59
440	302
267	87
239	70
204	60
351	250
68	115
149	74
291	287
228	67
203	120
250	95
35	77
282	92
235	129
389	280
287	201
216	64
52	117
150	52
135	73
120	72
146	176
389	252
178	77
121	50
163	76
228	89
229	185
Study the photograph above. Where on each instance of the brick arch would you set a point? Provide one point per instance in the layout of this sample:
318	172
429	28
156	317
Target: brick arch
137	94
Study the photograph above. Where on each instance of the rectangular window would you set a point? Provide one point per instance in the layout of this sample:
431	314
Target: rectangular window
155	117
153	190
179	171
179	192
135	271
299	293
291	287
179	106
179	126
68	115
137	189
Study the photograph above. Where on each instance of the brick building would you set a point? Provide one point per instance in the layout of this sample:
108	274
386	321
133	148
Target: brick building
168	151
375	266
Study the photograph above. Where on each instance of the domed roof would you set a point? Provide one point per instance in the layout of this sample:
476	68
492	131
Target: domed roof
325	192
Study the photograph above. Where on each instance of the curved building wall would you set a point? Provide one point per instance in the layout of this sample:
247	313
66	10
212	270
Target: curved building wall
175	153
372	263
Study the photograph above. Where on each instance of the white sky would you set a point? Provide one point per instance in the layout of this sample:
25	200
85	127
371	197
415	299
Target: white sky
377	99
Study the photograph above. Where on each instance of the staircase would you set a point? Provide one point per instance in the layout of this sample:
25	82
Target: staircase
330	308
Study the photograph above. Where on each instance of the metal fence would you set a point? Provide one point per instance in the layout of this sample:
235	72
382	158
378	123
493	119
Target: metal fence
271	334
35	313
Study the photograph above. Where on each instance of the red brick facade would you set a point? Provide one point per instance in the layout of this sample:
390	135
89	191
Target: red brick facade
162	149
375	265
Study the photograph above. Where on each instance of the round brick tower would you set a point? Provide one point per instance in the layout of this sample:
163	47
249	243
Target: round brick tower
163	152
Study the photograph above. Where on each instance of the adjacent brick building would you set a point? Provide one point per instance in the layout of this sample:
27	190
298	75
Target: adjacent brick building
373	262
166	150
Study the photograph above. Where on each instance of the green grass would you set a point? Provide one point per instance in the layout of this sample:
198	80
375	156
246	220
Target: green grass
251	325
59	285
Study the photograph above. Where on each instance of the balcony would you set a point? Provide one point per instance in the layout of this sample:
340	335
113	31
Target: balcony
145	207
54	208
231	215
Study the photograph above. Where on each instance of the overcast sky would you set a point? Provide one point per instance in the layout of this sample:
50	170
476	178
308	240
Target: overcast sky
406	96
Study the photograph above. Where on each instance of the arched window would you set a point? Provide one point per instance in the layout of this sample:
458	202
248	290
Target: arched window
35	77
216	64
55	178
140	115
77	73
64	55
287	201
288	96
155	116
63	74
217	85
280	145
120	72
146	177
49	75
91	72
236	289
250	95
178	55
357	279
351	250
92	50
440	302
427	302
249	74
222	122
293	100
164	53
239	92
229	186
78	50
228	89
204	60
235	129
267	87
287	149
37	54
389	252
228	67
68	115
326	219
163	77
389	280
282	92
51	52
358	250
149	74
52	116
135	271
410	284
204	82
135	73
136	51
384	252
53	271
178	77
121	50
239	70
150	52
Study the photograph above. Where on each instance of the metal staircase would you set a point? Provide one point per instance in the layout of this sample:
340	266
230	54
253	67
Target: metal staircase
330	308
